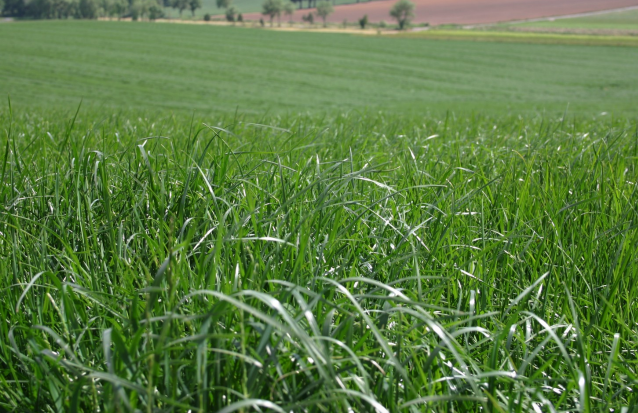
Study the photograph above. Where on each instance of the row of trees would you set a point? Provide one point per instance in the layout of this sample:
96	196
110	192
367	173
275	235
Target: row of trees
232	14
275	8
91	9
182	5
402	11
51	9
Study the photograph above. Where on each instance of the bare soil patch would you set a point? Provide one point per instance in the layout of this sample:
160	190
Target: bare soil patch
438	12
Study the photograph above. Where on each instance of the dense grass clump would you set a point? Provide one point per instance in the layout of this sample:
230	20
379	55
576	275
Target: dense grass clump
347	263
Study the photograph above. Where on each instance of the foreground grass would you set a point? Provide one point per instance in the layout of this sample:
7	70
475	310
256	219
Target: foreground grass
217	70
346	263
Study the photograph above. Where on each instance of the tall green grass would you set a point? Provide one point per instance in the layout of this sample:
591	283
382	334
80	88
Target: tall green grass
357	262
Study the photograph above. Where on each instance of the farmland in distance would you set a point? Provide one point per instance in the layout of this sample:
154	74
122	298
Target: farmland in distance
214	69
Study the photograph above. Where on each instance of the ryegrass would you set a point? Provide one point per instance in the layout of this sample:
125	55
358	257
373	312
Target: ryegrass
115	66
306	263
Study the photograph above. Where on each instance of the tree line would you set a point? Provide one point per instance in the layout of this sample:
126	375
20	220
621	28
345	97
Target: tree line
92	9
402	11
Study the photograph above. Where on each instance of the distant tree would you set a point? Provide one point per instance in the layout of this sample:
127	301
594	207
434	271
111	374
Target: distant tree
289	10
261	22
207	17
119	8
272	8
137	9
363	22
240	18
310	18
133	11
62	9
180	5
155	10
223	4
40	9
1	7
194	5
324	9
15	8
104	9
87	9
403	12
231	13
301	3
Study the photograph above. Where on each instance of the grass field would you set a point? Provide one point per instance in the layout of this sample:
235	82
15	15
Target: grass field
215	69
623	20
318	264
243	220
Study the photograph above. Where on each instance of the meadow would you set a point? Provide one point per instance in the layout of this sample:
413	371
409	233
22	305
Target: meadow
210	69
222	233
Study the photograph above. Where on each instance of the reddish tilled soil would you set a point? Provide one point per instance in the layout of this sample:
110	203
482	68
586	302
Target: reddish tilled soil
466	12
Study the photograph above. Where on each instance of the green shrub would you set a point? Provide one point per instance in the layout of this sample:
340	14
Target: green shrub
309	18
363	22
87	9
230	14
155	12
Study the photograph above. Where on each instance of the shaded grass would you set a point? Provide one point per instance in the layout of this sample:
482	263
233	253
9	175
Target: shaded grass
365	262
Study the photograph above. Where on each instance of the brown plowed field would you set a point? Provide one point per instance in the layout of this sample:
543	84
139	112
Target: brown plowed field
438	12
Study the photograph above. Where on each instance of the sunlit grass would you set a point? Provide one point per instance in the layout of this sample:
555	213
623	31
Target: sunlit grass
213	70
340	263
